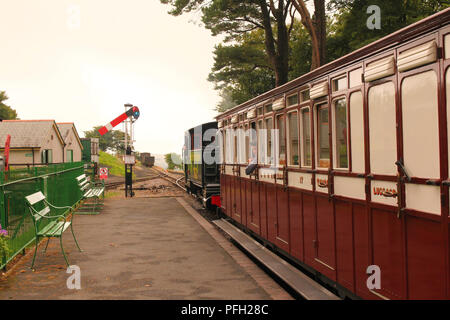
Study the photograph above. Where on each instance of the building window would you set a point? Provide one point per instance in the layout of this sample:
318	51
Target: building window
323	136
340	112
306	132
292	131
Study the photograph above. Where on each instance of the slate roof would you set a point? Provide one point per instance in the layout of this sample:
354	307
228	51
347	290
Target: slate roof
25	133
65	127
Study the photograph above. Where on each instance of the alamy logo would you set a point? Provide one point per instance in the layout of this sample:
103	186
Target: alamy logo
74	281
374	280
374	21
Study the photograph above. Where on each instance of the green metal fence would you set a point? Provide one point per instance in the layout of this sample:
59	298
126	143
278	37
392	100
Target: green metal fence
57	182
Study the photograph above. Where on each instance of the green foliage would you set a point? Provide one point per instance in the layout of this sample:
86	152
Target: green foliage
112	140
350	27
6	112
115	165
173	161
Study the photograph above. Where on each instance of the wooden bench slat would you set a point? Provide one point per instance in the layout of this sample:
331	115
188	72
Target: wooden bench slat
41	213
35	197
81	177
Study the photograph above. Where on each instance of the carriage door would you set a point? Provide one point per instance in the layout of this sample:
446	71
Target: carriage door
386	227
421	160
325	252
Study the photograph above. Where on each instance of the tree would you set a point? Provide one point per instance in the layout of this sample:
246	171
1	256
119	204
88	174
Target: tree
235	18
242	72
112	140
351	32
173	161
6	112
317	29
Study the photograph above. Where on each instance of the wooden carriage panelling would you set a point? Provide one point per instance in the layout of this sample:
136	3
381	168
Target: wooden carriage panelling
358	172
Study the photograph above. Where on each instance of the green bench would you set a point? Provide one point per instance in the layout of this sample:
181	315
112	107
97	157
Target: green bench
47	223
90	190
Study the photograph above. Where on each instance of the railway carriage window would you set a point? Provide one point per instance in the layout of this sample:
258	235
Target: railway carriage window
235	146
292	100
253	143
261	142
323	147
260	111
224	146
268	108
268	126
356	113
292	131
306	132
247	143
340	84
281	140
304	95
356	78
340	123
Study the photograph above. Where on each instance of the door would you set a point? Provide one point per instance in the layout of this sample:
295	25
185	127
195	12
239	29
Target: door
420	133
386	230
325	230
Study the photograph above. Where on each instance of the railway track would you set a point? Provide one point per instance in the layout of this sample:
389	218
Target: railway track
157	174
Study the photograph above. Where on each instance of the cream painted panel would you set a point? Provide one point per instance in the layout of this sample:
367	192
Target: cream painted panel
380	69
355	78
229	170
319	90
447	46
350	187
418	56
321	179
378	187
423	198
267	175
300	180
357	132
420	125
278	104
382	126
251	113
243	175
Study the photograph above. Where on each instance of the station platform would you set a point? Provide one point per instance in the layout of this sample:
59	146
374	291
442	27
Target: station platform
142	248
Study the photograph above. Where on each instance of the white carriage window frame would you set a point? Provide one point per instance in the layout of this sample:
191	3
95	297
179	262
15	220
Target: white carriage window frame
335	83
291	95
281	140
261	138
301	95
318	105
268	156
302	138
334	133
288	140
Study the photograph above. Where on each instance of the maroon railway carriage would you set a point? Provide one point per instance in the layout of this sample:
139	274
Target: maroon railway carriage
362	174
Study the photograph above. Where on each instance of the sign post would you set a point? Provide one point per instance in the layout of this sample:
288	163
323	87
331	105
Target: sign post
103	173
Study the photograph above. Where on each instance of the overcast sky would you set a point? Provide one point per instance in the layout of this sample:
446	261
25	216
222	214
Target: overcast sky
82	60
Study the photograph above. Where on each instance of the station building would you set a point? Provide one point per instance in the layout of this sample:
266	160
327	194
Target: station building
73	149
37	142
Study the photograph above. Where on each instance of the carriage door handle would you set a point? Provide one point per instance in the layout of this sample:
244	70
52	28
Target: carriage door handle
400	164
